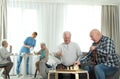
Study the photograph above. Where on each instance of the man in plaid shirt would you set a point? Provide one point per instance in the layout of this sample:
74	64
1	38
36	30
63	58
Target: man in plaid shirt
106	62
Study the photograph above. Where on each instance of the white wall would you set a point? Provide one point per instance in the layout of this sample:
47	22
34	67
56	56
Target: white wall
98	2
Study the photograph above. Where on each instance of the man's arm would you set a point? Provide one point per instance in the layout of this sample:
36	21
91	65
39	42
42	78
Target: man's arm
57	52
83	60
86	58
106	48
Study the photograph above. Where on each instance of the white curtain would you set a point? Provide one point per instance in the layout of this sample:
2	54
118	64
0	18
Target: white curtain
51	21
3	19
45	18
110	24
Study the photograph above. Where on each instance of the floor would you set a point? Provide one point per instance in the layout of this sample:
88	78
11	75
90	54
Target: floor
24	77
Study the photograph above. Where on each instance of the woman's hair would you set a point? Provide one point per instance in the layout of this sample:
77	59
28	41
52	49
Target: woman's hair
34	33
43	44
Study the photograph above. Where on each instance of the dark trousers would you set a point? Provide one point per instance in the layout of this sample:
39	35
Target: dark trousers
8	68
61	76
72	76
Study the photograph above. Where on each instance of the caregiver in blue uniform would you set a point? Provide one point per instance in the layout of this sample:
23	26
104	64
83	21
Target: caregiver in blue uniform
29	43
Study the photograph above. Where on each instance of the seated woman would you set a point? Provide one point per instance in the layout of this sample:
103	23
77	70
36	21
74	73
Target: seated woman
43	55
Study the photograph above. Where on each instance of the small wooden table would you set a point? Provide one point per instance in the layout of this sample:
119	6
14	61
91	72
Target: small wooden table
76	72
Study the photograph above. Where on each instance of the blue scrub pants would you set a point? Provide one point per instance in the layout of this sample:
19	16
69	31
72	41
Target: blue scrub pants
19	60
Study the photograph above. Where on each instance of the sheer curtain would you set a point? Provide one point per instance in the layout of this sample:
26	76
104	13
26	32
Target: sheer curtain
26	17
3	19
50	20
110	24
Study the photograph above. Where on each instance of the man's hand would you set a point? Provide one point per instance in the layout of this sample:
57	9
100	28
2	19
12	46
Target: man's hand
59	53
76	63
92	48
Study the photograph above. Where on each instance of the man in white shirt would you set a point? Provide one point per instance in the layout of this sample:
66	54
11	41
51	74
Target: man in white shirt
68	52
5	57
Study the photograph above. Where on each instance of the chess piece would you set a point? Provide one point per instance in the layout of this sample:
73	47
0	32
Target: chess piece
71	68
67	68
76	67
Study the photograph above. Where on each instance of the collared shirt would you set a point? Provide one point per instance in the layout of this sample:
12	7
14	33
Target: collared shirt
4	55
70	53
105	50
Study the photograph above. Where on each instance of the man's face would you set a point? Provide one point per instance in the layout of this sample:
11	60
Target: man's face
5	44
94	37
67	39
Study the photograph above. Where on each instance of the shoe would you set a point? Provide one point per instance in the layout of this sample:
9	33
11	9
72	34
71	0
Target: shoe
39	76
18	75
3	76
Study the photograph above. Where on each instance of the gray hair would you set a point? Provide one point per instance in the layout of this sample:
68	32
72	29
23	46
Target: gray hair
43	44
3	42
66	33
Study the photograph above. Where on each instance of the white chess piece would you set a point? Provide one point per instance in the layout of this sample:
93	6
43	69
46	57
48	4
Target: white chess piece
71	68
76	67
67	68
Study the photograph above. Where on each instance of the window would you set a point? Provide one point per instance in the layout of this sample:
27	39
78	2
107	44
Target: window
80	19
21	24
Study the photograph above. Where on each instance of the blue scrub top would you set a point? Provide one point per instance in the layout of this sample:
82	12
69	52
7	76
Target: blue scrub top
28	41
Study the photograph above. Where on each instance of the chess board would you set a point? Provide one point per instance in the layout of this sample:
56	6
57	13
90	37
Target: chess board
68	70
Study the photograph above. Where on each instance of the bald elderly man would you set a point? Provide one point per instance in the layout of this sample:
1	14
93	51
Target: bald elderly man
106	62
68	52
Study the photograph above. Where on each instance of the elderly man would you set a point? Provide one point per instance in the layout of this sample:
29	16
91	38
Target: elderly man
68	52
102	54
5	57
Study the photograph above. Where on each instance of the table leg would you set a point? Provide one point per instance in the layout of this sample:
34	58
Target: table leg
87	75
56	75
48	75
76	76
